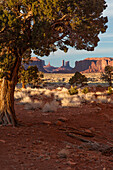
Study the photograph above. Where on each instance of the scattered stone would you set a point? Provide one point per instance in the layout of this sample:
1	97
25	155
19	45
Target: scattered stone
87	131
71	163
68	147
62	119
104	168
92	129
46	122
58	123
3	141
63	153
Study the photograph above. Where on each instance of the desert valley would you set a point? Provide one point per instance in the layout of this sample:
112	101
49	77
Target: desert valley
56	85
58	130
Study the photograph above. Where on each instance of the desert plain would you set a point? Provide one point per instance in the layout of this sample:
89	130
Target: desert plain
59	131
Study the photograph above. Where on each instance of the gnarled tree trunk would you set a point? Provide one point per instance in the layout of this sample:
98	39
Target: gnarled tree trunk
7	112
7	87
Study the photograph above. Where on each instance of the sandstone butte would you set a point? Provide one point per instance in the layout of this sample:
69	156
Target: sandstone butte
93	65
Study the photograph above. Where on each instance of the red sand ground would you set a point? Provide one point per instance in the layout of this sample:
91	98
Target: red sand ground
70	139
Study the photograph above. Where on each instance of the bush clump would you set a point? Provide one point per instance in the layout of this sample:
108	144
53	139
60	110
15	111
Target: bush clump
85	90
73	90
78	79
110	91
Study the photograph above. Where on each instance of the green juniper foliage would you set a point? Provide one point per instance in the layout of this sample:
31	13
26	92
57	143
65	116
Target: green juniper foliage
85	90
30	75
108	74
78	78
46	25
110	91
73	90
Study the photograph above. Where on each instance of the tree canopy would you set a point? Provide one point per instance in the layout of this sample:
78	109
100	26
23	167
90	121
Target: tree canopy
46	25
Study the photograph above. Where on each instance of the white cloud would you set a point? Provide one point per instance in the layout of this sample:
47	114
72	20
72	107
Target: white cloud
98	51
109	10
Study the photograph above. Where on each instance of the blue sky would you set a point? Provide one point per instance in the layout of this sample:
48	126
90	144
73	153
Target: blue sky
104	48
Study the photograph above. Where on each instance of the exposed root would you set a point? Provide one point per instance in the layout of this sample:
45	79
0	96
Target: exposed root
7	119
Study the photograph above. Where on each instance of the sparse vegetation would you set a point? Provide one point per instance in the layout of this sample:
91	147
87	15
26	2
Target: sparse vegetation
78	78
85	90
110	91
30	75
108	75
73	90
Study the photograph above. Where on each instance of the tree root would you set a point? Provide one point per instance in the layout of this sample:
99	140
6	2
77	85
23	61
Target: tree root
7	119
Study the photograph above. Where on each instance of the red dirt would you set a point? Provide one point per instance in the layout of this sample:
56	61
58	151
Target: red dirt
85	134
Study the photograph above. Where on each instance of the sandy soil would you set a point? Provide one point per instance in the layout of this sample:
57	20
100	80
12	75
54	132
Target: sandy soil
70	139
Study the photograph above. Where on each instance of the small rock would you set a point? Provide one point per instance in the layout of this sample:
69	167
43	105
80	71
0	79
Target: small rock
58	123
3	141
92	129
46	122
88	130
68	147
62	119
104	168
16	153
71	163
63	153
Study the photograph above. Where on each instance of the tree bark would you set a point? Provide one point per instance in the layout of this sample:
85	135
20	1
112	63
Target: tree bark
7	112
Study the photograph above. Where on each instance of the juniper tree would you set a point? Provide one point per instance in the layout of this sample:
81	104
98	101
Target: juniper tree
42	26
30	75
108	74
78	78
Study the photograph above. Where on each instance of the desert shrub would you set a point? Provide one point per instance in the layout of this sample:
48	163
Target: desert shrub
103	99
78	78
110	90
30	75
89	97
33	105
48	93
108	74
73	90
85	90
19	95
25	100
51	107
71	102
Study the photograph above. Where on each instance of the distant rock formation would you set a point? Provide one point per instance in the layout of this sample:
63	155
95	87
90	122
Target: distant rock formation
38	62
88	65
65	68
49	68
92	65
